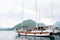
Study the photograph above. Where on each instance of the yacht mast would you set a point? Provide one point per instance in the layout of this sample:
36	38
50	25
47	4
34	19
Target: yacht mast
39	16
22	11
36	12
51	9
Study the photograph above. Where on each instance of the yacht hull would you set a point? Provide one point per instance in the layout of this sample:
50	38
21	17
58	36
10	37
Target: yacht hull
36	35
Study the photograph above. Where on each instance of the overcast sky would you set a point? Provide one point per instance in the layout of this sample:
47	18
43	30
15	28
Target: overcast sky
11	11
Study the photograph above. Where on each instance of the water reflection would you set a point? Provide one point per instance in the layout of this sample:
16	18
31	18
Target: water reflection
17	36
34	38
52	38
59	36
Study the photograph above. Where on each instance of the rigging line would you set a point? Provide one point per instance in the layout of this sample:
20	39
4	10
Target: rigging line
36	12
22	11
39	16
51	9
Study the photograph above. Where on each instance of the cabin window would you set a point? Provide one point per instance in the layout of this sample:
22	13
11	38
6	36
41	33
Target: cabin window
39	28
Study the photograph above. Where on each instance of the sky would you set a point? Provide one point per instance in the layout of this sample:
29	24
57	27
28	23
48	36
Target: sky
11	12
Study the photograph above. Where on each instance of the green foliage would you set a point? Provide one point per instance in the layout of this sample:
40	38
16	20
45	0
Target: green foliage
29	23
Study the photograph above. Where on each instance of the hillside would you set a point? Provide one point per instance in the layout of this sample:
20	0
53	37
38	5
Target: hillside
57	23
29	23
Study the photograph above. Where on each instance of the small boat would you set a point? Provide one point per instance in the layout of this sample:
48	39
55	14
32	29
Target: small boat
37	31
56	30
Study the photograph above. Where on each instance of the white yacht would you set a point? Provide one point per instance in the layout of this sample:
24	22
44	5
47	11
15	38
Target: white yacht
37	31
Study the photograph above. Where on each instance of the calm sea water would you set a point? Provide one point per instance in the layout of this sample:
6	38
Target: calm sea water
11	35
